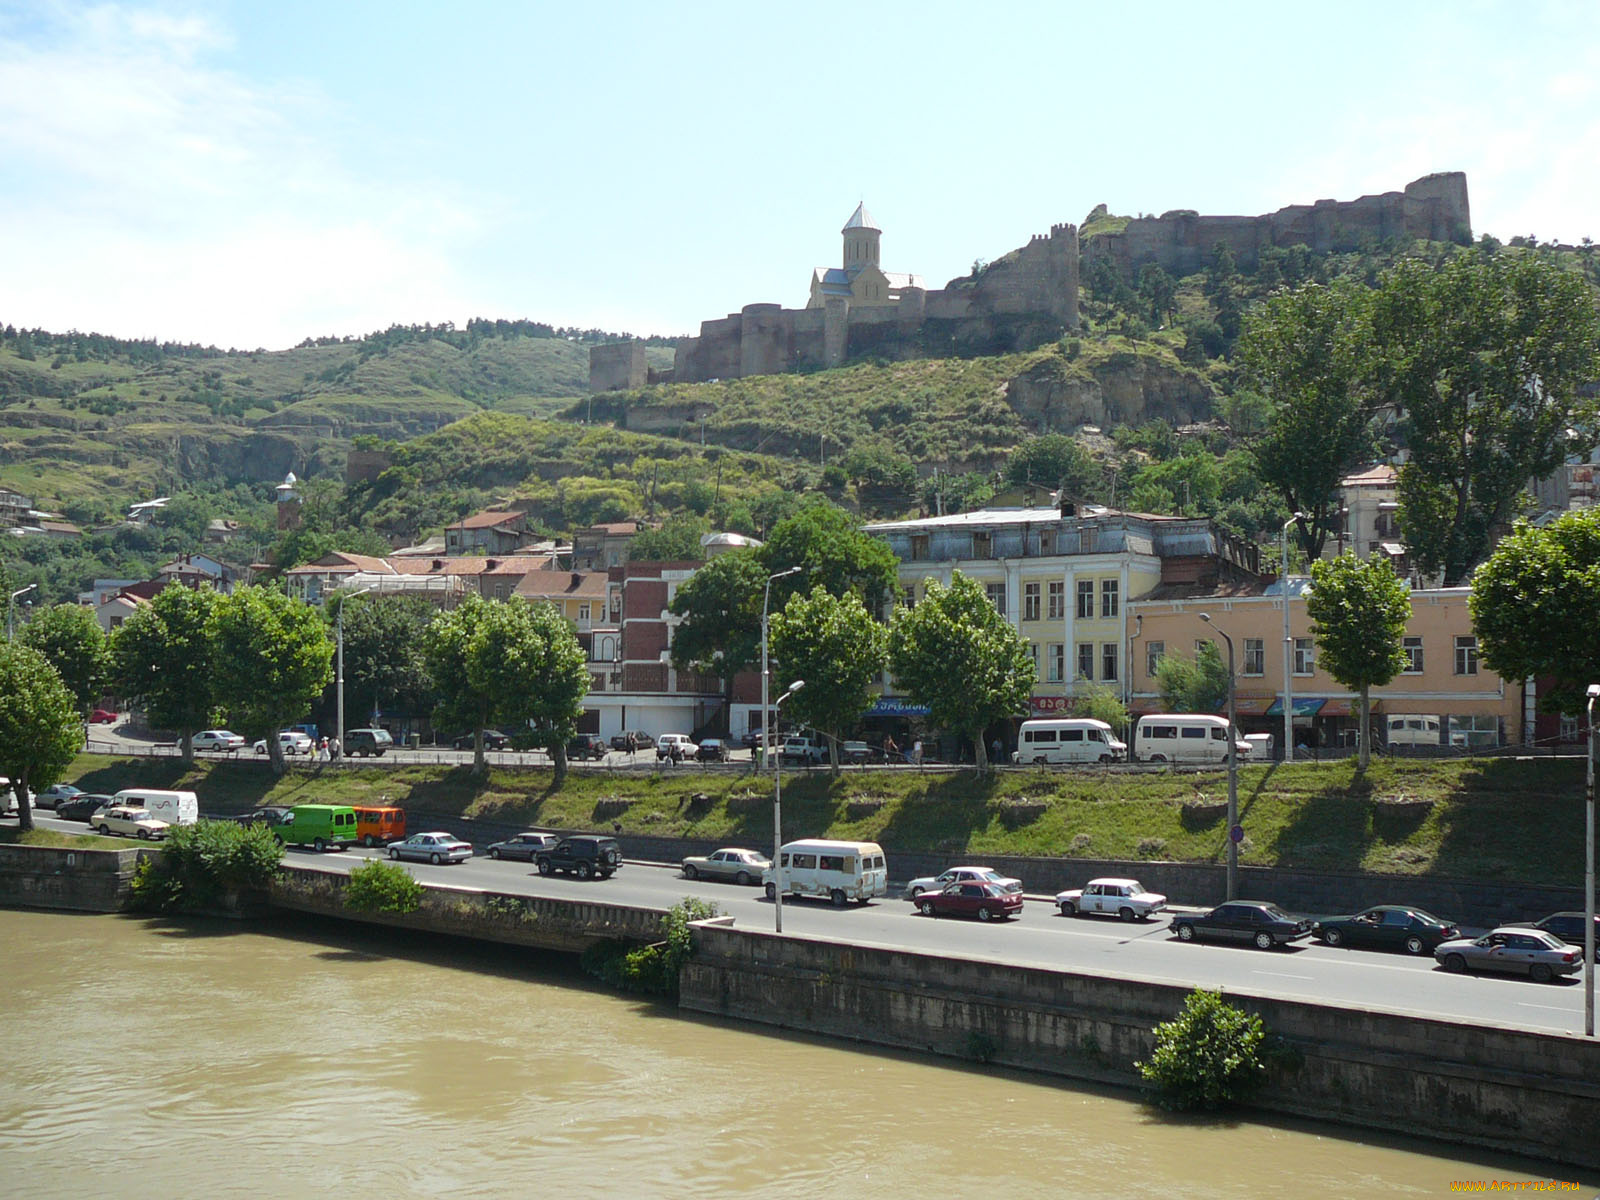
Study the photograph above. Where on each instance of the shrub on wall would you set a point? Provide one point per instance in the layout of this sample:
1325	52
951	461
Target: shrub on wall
1208	1056
384	888
651	969
204	865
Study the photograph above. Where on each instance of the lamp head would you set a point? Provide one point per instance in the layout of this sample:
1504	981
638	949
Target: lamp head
794	687
1592	691
1206	617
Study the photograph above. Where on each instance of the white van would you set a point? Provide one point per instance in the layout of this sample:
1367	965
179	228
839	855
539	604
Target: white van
1413	729
838	870
175	808
1067	740
1185	738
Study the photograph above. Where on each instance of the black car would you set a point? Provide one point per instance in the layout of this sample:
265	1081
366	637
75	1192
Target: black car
1387	927
1568	926
81	808
641	740
493	739
584	855
587	746
270	815
711	750
1258	923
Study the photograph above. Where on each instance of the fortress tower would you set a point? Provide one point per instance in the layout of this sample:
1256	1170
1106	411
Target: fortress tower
860	240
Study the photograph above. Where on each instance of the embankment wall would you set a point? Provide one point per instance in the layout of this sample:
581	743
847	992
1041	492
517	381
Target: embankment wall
69	880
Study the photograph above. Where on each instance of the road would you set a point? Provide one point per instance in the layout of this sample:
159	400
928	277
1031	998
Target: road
1041	937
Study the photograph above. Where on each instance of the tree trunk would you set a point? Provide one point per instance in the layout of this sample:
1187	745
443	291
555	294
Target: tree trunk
186	742
980	752
558	760
1364	732
275	754
833	752
24	805
480	765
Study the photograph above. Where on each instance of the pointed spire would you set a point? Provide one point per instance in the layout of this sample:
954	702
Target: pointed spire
860	219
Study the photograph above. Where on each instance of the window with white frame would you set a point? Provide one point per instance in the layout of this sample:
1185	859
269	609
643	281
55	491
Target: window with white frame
1085	599
1152	657
1255	656
1110	597
1305	656
1466	656
1108	661
1413	649
1085	660
1475	731
1056	652
997	596
1030	602
1058	599
583	612
1570	729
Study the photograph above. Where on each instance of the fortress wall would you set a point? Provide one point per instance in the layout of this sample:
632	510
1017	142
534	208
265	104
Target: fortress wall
617	367
947	304
1041	277
766	336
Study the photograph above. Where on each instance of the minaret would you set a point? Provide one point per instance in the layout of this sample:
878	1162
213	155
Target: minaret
860	240
288	503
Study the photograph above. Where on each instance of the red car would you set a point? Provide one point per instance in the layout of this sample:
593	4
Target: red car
986	901
101	716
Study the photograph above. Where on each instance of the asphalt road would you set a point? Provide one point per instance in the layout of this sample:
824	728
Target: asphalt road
1042	937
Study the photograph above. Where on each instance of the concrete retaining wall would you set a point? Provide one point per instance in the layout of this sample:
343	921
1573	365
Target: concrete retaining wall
1528	1093
72	880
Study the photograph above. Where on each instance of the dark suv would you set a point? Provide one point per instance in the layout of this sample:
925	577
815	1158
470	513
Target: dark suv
367	741
587	745
584	855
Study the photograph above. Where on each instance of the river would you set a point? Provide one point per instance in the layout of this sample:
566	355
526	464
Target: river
153	1058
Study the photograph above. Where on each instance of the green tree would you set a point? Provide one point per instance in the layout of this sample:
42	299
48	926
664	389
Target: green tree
1210	1055
720	607
1358	614
72	641
1535	607
955	653
1307	353
1158	290
274	658
1195	685
164	658
838	649
678	540
1490	359
1102	703
833	551
40	728
383	660
1055	460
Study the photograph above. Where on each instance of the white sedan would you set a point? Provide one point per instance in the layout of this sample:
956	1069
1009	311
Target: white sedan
126	821
292	741
1124	898
221	739
434	848
937	883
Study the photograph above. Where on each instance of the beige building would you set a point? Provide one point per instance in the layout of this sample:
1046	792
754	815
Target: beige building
860	279
1444	678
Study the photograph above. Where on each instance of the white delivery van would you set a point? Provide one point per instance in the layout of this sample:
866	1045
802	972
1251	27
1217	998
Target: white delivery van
175	808
1185	738
838	870
1067	740
1413	729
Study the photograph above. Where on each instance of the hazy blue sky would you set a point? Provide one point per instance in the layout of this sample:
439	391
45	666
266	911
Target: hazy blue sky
252	173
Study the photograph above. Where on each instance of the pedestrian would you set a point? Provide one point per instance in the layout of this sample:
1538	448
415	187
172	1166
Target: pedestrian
676	753
889	749
995	750
633	743
322	750
333	747
916	752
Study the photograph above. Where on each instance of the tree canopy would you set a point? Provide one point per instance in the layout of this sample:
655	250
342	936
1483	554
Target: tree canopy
1193	685
72	641
274	658
720	607
383	661
828	543
164	658
1359	610
838	649
41	730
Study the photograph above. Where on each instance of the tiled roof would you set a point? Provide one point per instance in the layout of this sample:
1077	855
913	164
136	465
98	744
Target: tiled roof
488	520
1382	475
338	562
538	585
472	564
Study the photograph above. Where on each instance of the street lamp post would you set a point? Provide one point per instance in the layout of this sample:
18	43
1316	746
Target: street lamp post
11	608
1233	774
766	710
777	821
1593	691
338	671
1288	649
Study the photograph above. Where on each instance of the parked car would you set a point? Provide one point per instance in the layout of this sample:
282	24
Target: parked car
1516	950
1387	927
367	742
524	847
584	855
857	753
55	794
293	741
739	866
220	739
986	901
712	750
436	848
803	750
587	746
1256	922
127	822
104	716
750	739
675	746
82	808
1568	926
641	740
1124	898
269	815
934	883
493	739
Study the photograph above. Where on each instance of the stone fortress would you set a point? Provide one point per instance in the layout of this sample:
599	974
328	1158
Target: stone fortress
1018	302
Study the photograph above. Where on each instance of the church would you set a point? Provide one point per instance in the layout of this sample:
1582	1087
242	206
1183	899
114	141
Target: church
860	280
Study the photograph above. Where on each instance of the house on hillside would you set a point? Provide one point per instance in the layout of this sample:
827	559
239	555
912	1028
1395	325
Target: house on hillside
492	532
601	547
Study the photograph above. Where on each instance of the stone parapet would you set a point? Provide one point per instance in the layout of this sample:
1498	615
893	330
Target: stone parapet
69	880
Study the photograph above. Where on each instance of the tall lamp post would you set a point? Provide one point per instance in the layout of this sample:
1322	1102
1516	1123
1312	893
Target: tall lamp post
777	821
338	672
1288	649
766	710
1592	691
11	608
1234	831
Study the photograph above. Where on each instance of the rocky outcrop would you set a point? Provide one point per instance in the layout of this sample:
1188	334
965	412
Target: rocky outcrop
1125	389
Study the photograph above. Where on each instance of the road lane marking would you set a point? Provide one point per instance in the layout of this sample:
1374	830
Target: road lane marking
1281	975
1551	1007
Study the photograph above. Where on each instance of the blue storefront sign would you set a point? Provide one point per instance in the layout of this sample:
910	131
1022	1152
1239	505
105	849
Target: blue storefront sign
894	706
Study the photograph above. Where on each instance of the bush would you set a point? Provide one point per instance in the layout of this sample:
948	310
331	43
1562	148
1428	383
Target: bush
650	969
381	887
1207	1057
204	864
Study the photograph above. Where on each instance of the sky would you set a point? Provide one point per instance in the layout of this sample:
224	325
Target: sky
246	174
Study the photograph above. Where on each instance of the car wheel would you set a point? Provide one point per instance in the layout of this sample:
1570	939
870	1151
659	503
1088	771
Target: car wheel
395	854
1414	945
1157	758
985	914
1454	962
434	858
1333	937
915	892
319	845
1263	940
144	835
1541	973
1105	758
742	878
926	908
584	870
105	831
1125	913
772	891
544	866
1068	909
689	872
494	852
1185	933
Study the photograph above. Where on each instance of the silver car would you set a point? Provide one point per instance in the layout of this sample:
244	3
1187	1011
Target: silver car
1532	952
435	848
937	883
731	865
524	847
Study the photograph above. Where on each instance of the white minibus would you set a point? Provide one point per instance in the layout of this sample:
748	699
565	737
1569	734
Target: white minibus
175	808
1067	740
838	870
1185	738
1413	729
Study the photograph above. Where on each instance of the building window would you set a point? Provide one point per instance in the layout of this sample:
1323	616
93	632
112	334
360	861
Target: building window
981	545
1305	657
1033	654
1047	541
1413	649
1085	599
583	612
997	596
1108	661
1477	732
1255	656
1057	653
1568	731
1152	657
1058	600
1466	655
1030	602
1109	598
1085	660
919	547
